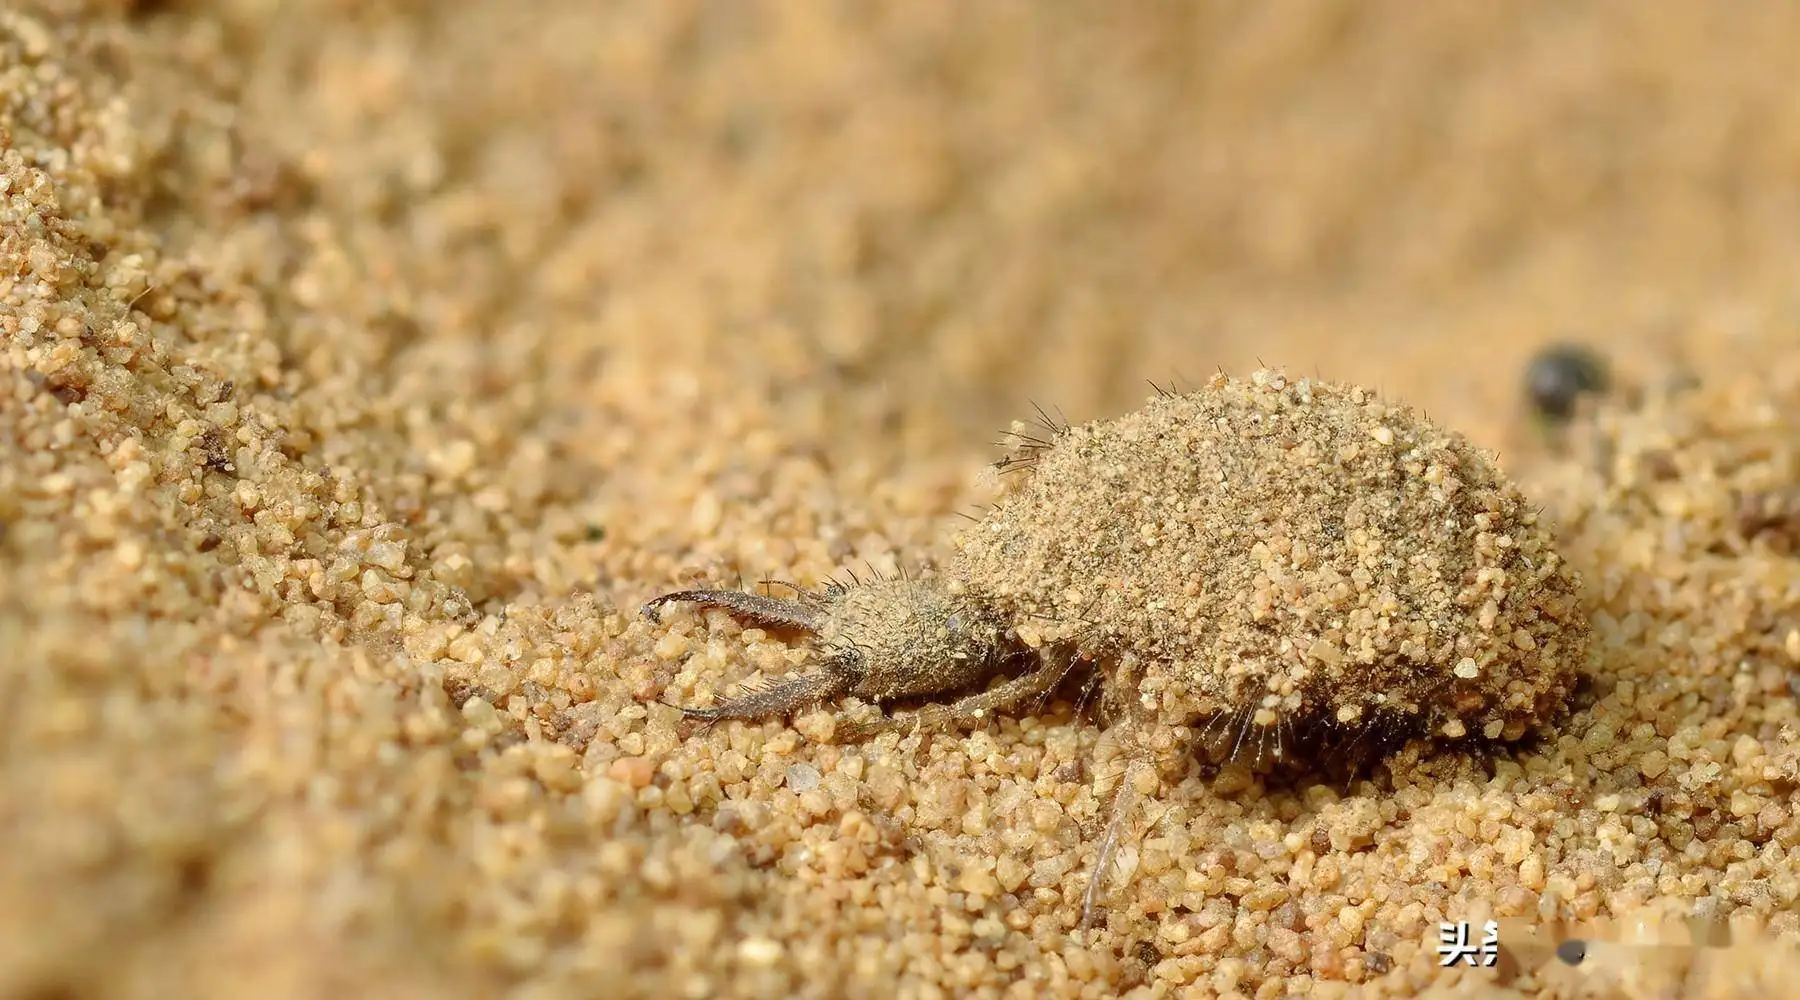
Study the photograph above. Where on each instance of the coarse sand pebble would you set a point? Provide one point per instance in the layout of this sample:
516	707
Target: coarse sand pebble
363	368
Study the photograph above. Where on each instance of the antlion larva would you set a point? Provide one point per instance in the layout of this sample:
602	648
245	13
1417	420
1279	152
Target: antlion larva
1261	565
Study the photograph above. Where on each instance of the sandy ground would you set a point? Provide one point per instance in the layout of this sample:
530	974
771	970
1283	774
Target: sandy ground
364	366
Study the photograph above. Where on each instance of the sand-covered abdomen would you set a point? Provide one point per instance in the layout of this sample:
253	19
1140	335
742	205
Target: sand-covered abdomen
1291	548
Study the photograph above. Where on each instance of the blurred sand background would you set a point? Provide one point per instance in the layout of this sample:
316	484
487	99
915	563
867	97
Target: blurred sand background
365	365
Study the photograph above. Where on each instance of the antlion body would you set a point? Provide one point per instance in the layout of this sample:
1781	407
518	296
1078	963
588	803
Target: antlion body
1262	565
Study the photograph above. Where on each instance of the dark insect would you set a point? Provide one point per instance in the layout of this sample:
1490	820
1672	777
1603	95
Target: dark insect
1572	951
1558	375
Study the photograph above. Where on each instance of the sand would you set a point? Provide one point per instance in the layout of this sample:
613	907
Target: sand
364	367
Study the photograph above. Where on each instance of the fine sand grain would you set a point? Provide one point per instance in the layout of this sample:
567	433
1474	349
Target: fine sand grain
363	367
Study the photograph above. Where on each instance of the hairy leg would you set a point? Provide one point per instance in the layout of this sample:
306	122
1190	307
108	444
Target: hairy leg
760	608
1124	799
969	712
1135	737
